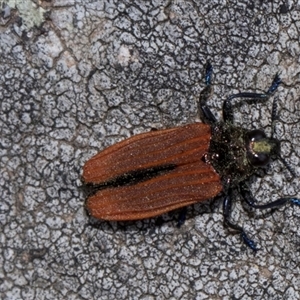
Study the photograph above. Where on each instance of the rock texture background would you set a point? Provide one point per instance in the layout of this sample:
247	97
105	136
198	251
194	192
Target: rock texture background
77	76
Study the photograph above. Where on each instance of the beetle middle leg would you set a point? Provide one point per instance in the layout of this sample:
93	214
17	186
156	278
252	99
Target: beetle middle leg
204	110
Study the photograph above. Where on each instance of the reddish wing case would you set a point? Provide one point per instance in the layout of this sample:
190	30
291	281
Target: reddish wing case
189	180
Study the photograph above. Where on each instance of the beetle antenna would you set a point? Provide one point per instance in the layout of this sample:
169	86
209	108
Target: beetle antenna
275	118
287	165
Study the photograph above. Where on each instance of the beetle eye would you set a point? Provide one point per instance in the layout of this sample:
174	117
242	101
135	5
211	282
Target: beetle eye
258	160
260	148
255	135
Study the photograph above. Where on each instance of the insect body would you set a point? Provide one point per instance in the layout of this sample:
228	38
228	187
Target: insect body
155	172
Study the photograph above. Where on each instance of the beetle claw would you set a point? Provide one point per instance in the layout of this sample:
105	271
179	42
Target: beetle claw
250	243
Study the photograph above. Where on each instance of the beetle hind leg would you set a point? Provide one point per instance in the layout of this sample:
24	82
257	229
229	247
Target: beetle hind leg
182	217
227	205
204	110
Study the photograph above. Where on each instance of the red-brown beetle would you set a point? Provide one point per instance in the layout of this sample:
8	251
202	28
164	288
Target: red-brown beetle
158	171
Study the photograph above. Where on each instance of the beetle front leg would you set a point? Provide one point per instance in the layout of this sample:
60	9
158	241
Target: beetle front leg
248	197
227	207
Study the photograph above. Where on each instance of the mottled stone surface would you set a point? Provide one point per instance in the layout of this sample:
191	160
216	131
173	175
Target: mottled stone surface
95	72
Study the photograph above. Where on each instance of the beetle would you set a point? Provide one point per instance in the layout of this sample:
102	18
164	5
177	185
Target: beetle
155	172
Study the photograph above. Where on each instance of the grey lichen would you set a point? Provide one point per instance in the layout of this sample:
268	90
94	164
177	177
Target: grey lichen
31	14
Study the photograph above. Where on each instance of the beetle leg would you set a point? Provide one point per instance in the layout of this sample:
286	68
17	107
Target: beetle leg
248	197
274	115
227	106
274	118
274	85
227	205
205	111
181	217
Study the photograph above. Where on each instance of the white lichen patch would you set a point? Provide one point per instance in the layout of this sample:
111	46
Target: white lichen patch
31	14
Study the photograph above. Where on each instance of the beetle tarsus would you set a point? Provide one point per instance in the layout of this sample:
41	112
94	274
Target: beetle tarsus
206	115
295	201
250	243
276	82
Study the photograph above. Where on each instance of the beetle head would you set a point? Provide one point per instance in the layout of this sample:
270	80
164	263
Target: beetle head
260	148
